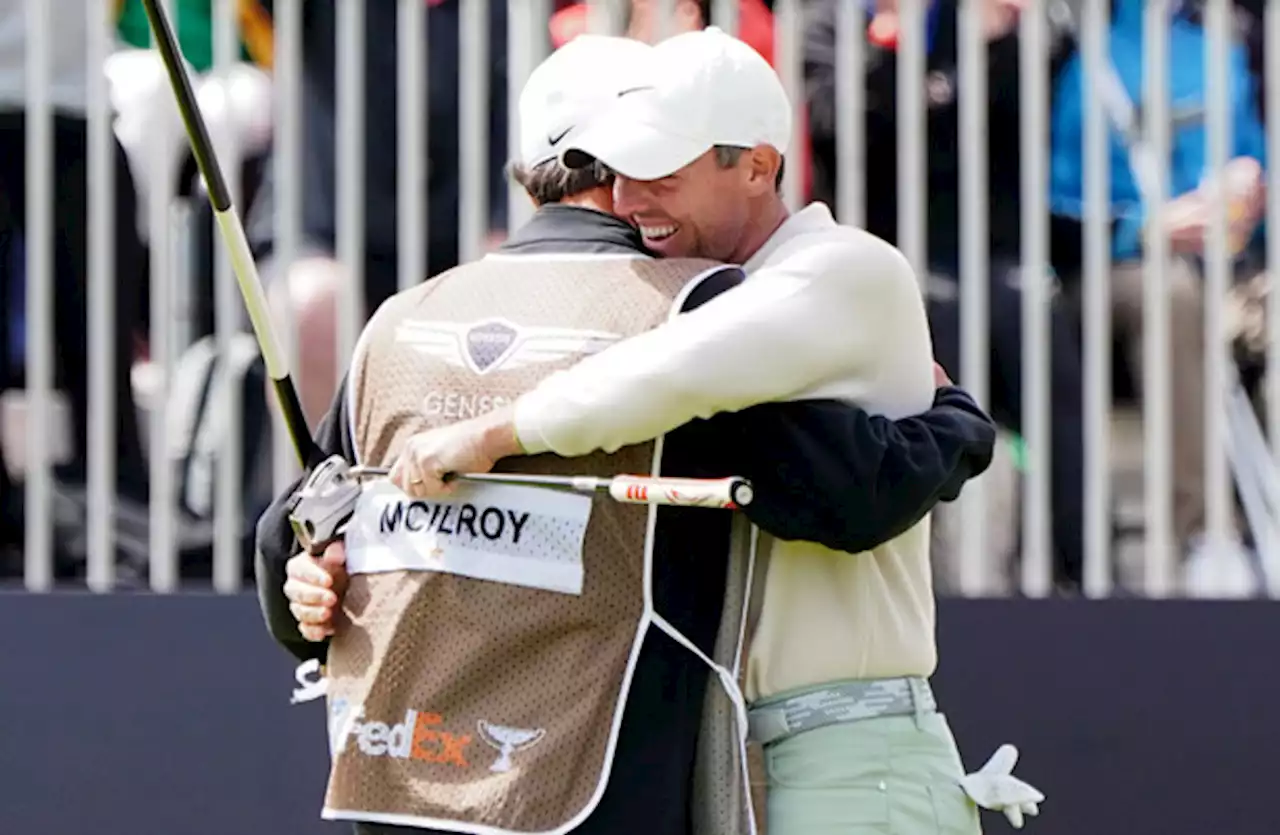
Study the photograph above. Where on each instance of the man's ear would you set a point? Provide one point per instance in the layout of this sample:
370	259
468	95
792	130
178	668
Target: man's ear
763	162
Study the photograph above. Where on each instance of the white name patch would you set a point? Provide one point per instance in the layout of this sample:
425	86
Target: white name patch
522	536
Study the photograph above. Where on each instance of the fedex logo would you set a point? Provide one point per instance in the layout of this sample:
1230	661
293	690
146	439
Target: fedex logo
418	736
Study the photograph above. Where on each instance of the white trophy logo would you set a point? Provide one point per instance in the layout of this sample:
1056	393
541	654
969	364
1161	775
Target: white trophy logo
507	741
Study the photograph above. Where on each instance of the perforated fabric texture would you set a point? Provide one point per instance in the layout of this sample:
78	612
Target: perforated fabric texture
497	702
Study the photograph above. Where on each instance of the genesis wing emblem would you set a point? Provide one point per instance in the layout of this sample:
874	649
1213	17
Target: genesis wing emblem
499	344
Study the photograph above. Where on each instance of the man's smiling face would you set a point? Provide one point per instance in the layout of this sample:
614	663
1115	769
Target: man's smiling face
699	211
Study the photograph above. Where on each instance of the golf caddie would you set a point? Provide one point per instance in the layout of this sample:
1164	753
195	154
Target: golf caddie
514	659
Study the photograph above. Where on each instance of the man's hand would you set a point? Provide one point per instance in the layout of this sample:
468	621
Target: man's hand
314	587
1187	218
472	446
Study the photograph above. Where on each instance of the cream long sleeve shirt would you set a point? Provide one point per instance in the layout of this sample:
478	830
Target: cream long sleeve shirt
827	311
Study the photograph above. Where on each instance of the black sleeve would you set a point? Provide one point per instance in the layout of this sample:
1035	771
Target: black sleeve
276	543
828	472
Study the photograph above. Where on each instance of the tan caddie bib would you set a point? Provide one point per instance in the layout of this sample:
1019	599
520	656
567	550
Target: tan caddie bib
480	668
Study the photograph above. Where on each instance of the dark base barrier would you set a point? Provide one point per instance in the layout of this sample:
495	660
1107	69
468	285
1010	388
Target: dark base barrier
150	715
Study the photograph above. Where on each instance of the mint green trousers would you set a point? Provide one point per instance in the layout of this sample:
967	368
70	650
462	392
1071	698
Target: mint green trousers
897	775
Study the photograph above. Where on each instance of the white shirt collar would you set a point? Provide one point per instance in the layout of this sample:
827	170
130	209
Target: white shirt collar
814	217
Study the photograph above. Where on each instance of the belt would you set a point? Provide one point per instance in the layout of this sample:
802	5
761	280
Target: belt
848	701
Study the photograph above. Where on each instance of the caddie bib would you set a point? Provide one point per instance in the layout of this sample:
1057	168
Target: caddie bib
479	671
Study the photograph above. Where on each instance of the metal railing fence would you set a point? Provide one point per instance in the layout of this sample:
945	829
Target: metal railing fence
976	565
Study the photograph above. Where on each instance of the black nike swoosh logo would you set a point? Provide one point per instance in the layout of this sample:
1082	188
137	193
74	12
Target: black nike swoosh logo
631	90
553	140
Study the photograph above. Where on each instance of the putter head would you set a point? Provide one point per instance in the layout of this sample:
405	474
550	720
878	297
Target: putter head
324	504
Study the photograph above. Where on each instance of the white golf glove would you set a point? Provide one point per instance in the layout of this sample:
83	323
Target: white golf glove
994	787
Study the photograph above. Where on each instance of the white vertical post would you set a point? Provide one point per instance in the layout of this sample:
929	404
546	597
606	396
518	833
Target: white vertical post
473	128
1097	306
527	46
162	544
666	19
975	273
349	194
1218	22
287	175
1272	71
912	123
162	547
101	464
724	14
788	31
1158	575
411	143
851	107
38	556
1037	555
228	509
605	17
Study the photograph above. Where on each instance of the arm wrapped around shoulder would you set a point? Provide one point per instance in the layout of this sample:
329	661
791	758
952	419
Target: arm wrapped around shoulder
843	309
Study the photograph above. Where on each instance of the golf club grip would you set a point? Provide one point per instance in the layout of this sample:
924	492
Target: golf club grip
232	228
295	423
727	493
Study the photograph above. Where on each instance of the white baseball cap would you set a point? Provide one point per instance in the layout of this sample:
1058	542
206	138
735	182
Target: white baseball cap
570	87
697	90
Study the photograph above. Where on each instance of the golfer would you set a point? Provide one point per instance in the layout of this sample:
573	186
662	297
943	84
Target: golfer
504	631
842	645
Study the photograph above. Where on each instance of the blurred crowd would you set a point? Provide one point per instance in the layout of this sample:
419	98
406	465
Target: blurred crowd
307	285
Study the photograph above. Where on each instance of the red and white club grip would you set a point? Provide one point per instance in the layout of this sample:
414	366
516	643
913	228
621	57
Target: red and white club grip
727	493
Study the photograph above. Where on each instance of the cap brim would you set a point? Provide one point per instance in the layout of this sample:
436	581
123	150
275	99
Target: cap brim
634	150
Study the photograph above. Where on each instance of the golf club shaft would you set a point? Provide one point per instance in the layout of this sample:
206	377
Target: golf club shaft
726	493
255	298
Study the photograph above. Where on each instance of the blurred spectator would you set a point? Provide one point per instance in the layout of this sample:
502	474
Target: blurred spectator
193	20
940	91
1186	216
68	44
237	110
310	288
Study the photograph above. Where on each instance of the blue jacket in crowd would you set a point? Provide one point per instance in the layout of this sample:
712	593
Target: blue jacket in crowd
1189	138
